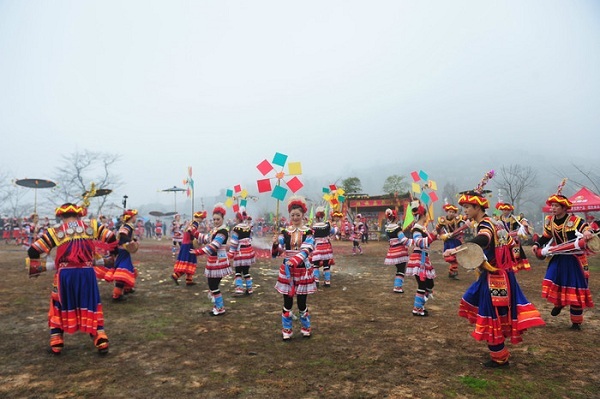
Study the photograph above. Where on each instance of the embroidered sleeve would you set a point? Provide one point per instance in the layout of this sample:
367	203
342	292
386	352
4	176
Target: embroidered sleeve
44	244
217	242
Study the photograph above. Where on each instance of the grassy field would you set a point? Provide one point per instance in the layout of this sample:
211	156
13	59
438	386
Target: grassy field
365	343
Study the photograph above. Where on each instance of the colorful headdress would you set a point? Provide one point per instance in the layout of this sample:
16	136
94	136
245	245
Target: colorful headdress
128	214
391	214
558	198
476	197
200	215
241	214
70	208
220	209
297	202
417	208
504	206
320	212
337	214
450	207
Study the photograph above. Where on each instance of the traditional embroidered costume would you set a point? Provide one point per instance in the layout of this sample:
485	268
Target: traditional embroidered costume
75	301
296	243
176	234
242	253
565	283
397	254
186	262
495	303
322	256
449	229
217	262
358	229
419	264
124	273
517	231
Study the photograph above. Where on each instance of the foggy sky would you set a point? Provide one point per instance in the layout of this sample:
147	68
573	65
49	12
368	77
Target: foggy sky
341	86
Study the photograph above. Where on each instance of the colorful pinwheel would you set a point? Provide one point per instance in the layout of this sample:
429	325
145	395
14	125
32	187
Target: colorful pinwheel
237	197
278	192
424	189
189	183
334	197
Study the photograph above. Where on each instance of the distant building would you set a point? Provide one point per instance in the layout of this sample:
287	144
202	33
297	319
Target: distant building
372	208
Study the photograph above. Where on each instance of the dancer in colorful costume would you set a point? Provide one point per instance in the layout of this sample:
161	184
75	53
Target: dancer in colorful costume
124	273
323	253
75	301
176	234
494	303
419	264
241	252
295	277
517	231
186	262
397	254
565	283
158	229
358	229
450	230
217	262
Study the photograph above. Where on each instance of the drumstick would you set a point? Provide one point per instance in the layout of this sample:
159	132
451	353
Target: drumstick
461	248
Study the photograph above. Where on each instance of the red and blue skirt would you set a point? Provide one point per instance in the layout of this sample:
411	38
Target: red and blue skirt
496	321
565	283
75	301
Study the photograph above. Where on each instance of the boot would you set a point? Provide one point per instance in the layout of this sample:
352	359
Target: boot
305	321
101	342
239	285
317	274
219	307
286	323
56	341
249	289
419	305
398	283
327	275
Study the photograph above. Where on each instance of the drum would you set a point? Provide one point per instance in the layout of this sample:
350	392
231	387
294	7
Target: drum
593	244
469	255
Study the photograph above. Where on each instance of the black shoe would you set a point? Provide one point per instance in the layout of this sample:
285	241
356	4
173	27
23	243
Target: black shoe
556	311
120	299
494	365
576	327
190	283
175	279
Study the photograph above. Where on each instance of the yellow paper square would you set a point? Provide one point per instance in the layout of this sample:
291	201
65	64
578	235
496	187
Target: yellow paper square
295	168
416	188
229	202
432	185
244	193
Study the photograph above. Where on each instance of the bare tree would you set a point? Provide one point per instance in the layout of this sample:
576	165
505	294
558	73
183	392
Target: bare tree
450	192
82	168
515	181
587	176
12	198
